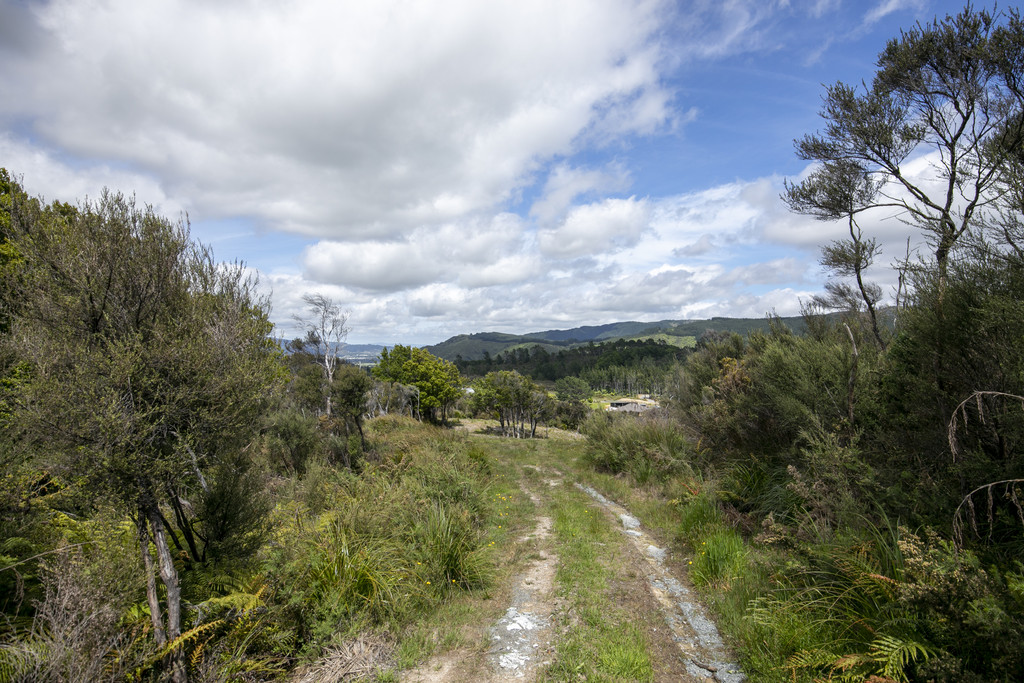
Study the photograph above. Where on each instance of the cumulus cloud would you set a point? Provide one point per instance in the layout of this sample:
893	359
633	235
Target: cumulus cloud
601	227
566	183
439	166
473	252
314	117
46	175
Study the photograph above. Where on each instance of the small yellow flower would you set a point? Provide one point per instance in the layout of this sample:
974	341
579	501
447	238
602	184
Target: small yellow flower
428	583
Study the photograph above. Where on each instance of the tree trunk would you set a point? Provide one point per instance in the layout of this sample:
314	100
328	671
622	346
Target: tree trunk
152	597
852	382
362	436
169	577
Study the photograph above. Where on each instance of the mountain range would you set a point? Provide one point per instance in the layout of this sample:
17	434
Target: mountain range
474	346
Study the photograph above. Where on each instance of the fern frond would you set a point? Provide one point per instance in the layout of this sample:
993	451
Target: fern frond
896	655
810	659
188	637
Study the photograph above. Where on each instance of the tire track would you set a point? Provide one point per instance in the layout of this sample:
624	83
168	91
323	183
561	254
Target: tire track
696	635
521	640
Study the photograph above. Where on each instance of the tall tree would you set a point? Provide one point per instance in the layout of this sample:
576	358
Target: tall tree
948	92
150	366
437	381
326	329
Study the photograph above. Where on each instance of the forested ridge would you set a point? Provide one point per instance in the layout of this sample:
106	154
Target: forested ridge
184	500
623	366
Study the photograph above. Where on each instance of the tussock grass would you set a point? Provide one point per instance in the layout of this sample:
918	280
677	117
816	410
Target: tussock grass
720	559
650	448
396	548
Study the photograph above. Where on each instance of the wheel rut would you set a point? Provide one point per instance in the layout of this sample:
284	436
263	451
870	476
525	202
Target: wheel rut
521	641
705	655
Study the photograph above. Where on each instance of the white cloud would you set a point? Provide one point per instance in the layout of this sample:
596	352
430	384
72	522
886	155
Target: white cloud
393	141
702	246
476	253
565	184
46	175
341	120
887	7
601	227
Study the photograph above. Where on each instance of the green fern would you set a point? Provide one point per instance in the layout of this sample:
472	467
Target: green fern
187	637
896	655
810	659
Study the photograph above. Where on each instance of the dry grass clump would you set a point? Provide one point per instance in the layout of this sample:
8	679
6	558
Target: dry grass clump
356	659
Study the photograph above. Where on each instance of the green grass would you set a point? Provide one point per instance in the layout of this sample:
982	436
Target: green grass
599	643
719	560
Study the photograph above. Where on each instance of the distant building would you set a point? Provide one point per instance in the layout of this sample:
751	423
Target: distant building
629	406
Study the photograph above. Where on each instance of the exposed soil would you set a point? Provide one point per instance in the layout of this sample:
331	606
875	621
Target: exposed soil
684	644
521	641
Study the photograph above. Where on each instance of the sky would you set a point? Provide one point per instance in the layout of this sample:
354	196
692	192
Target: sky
444	167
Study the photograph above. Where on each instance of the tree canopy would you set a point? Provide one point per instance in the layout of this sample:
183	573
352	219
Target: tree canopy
149	366
949	93
437	381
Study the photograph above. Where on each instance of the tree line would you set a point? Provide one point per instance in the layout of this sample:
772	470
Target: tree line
622	365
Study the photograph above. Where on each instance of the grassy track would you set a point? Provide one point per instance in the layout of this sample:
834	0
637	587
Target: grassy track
605	624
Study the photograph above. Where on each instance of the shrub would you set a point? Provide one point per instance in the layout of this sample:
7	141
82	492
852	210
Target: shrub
649	446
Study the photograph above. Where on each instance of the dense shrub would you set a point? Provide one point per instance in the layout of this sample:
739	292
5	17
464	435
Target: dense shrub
647	446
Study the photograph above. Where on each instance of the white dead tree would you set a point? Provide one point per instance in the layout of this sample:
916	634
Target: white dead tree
326	329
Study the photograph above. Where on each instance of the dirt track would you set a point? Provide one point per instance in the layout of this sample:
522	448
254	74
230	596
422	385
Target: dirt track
682	641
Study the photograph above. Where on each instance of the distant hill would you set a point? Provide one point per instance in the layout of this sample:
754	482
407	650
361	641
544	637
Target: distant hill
677	332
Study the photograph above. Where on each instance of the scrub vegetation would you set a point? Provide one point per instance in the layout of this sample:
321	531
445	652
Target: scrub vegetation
182	500
851	497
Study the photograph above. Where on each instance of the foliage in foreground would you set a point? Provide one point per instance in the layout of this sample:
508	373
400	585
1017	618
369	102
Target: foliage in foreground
843	600
349	556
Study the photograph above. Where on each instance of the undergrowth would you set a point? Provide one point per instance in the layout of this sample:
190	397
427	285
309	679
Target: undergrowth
805	598
374	557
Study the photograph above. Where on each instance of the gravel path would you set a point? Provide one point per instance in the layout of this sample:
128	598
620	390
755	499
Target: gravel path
523	640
